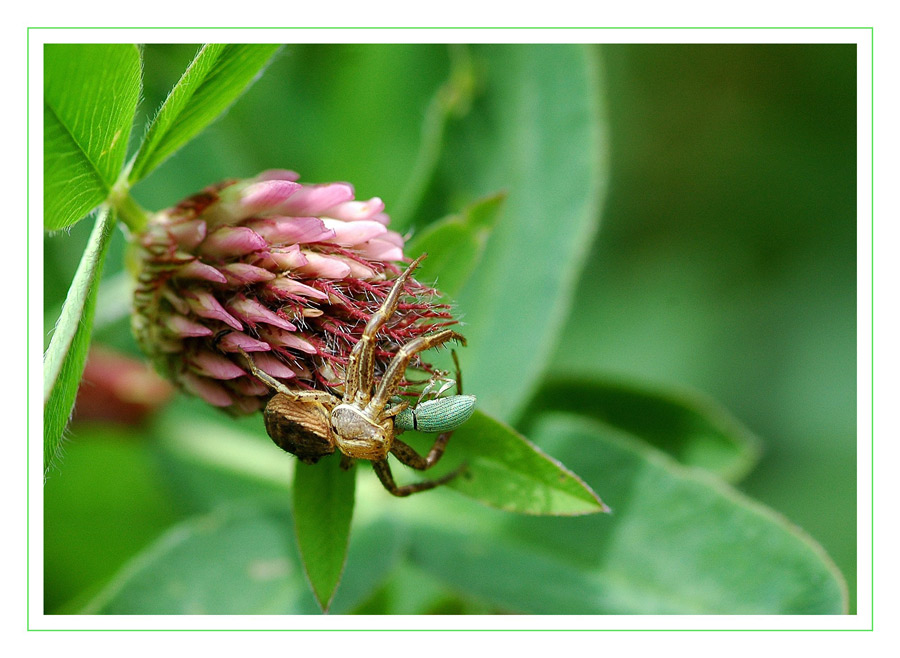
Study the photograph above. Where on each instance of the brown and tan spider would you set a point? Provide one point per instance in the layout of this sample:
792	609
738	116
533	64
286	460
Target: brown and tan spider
364	424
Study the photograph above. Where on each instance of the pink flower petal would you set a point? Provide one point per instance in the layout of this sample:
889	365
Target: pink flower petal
272	366
327	267
188	234
206	306
198	270
215	366
313	199
242	274
350	234
235	341
205	388
178	303
394	238
231	241
360	271
248	386
380	250
252	311
266	197
184	328
285	286
279	338
352	211
283	259
291	230
278	174
299	371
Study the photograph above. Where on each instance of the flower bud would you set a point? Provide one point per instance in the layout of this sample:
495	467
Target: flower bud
287	273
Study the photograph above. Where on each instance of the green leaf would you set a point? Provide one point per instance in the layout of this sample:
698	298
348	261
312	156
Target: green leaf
90	528
216	78
323	497
90	95
692	428
65	357
536	132
678	541
506	471
242	559
237	560
452	99
456	244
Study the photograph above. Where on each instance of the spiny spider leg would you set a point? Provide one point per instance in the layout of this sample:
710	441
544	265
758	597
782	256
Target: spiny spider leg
458	372
399	363
383	470
361	366
407	455
271	382
411	458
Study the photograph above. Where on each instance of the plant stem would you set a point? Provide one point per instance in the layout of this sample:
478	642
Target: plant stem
127	209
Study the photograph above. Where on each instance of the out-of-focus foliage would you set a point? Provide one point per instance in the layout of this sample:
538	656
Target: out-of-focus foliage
725	261
727	257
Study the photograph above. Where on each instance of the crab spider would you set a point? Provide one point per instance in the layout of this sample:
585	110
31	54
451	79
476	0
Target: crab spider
364	423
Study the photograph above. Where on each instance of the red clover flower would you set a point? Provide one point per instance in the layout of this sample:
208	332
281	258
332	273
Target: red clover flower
288	272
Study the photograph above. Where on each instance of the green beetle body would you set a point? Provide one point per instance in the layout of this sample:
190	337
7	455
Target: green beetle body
439	415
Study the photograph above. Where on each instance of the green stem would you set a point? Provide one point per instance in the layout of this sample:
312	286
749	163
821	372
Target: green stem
127	209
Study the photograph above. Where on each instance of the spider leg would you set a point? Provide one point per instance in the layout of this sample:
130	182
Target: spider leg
396	409
271	382
458	372
399	363
360	368
407	455
383	470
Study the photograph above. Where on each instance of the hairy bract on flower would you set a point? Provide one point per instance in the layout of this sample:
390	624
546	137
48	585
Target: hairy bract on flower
288	272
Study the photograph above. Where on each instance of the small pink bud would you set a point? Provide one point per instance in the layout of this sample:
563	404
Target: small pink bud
278	174
283	259
198	270
241	274
253	312
351	234
314	199
327	267
205	305
232	241
215	366
206	388
283	287
184	328
353	211
272	366
266	197
189	234
236	341
291	230
280	338
378	249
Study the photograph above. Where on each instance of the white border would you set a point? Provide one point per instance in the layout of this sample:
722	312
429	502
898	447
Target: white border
863	620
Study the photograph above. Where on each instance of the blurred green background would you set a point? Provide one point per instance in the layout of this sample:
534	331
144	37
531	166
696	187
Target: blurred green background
725	261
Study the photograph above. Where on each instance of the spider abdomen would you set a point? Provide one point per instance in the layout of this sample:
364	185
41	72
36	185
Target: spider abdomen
299	427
